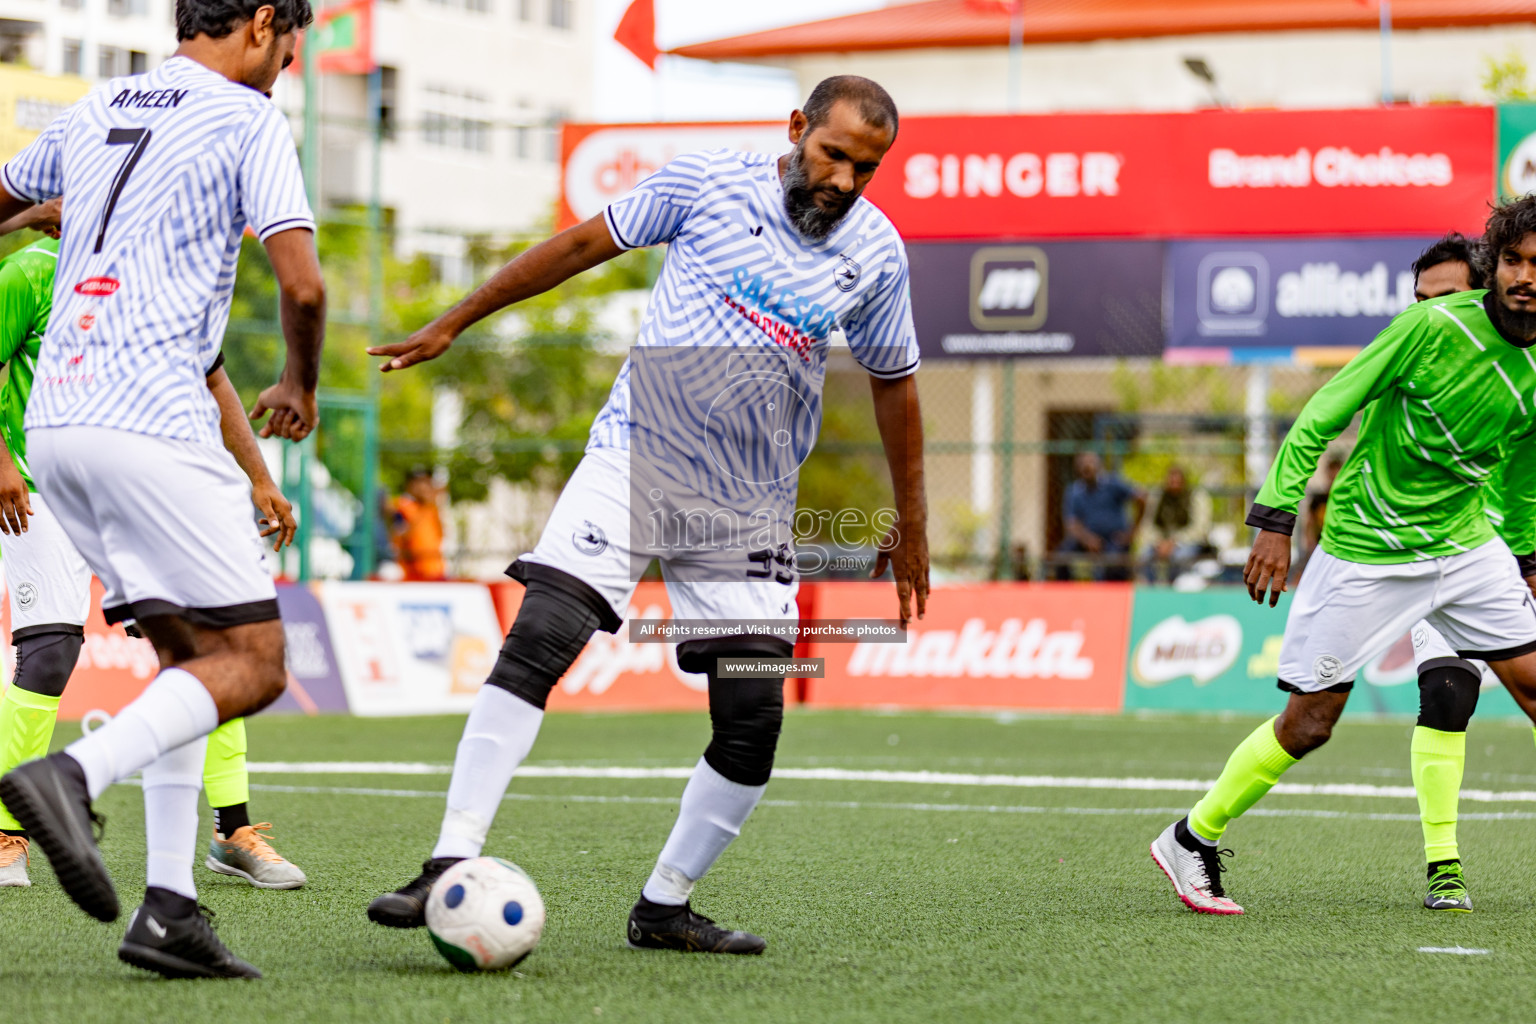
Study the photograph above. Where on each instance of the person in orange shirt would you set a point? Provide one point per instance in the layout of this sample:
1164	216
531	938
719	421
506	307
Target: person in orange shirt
419	538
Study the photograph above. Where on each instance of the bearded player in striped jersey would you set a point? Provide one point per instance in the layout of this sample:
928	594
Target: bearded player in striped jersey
706	425
1447	392
163	174
49	585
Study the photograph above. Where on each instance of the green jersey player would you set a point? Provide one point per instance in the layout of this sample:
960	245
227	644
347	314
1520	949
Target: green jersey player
1448	393
49	584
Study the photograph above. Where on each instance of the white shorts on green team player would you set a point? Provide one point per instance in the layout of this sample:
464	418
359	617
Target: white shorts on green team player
46	579
1346	613
1429	645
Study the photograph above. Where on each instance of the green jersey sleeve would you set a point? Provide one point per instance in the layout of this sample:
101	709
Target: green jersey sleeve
1374	372
18	309
1517	476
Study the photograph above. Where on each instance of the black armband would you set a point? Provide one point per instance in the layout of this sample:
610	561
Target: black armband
1272	519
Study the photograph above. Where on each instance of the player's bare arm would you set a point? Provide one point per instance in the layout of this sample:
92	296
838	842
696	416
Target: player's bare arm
1269	567
276	510
291	401
15	503
44	217
545	266
905	547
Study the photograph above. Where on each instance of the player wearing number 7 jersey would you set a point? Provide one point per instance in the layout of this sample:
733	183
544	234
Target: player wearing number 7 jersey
163	173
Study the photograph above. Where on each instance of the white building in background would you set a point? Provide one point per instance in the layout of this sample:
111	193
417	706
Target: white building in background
474	91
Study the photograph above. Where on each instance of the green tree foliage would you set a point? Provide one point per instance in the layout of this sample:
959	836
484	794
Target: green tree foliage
1505	80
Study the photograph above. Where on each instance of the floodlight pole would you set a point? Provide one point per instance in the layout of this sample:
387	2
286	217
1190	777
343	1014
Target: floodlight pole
1386	52
1015	56
365	554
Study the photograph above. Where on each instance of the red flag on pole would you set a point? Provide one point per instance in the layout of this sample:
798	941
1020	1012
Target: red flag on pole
637	31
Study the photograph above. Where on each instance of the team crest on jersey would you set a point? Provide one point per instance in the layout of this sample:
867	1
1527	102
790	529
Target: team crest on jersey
846	274
590	539
1326	669
26	595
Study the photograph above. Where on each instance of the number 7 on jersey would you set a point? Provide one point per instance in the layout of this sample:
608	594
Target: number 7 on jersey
138	138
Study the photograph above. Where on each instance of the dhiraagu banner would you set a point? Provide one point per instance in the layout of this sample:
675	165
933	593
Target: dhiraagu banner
1216	650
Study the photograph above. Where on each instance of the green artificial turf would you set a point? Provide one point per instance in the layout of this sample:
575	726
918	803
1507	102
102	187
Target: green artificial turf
881	901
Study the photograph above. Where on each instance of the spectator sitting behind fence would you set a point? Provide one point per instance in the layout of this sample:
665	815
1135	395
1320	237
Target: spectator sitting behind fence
1178	531
1097	522
419	537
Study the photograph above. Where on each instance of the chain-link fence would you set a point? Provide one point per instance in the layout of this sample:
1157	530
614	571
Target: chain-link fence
1002	440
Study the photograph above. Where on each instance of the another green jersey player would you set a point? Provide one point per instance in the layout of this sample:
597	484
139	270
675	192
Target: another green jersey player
1448	393
50	585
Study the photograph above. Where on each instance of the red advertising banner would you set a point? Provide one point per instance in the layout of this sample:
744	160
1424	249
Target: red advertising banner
1379	171
1046	646
1400	170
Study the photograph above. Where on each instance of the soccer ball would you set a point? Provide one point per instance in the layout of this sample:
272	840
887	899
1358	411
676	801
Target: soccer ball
485	914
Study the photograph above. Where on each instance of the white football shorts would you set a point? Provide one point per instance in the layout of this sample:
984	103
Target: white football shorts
1346	613
166	524
1429	645
48	583
588	536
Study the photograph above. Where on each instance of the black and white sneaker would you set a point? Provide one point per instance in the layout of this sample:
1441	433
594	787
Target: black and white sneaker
662	926
406	907
50	800
172	935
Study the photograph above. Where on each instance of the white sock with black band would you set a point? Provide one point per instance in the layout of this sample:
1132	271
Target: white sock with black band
173	710
711	815
497	738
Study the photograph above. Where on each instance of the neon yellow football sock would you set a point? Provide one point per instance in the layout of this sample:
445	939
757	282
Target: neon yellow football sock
26	728
1437	759
1255	766
224	774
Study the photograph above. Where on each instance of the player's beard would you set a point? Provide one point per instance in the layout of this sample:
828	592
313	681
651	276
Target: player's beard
1519	322
813	222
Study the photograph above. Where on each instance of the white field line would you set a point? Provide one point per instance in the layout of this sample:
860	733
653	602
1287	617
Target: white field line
863	805
911	778
1457	950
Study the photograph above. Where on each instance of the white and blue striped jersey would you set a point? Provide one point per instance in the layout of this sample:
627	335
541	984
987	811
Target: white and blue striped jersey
160	174
757	304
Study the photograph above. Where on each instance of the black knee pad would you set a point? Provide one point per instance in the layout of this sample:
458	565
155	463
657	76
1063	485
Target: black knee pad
745	715
1448	689
558	615
45	657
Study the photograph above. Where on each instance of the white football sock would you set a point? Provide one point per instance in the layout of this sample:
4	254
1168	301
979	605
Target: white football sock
497	737
171	785
173	710
711	815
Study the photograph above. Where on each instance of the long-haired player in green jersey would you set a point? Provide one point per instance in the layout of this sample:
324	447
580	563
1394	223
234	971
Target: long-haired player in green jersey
49	584
1448	393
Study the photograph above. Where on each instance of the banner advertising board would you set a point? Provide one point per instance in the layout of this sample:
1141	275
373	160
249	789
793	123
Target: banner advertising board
1517	150
614	674
1043	646
1234	299
114	667
601	162
1216	650
1393	171
411	648
1038	298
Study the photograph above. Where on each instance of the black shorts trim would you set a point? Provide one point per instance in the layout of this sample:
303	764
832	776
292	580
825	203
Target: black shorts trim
1335	688
607	619
701	655
1500	655
46	628
208	618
